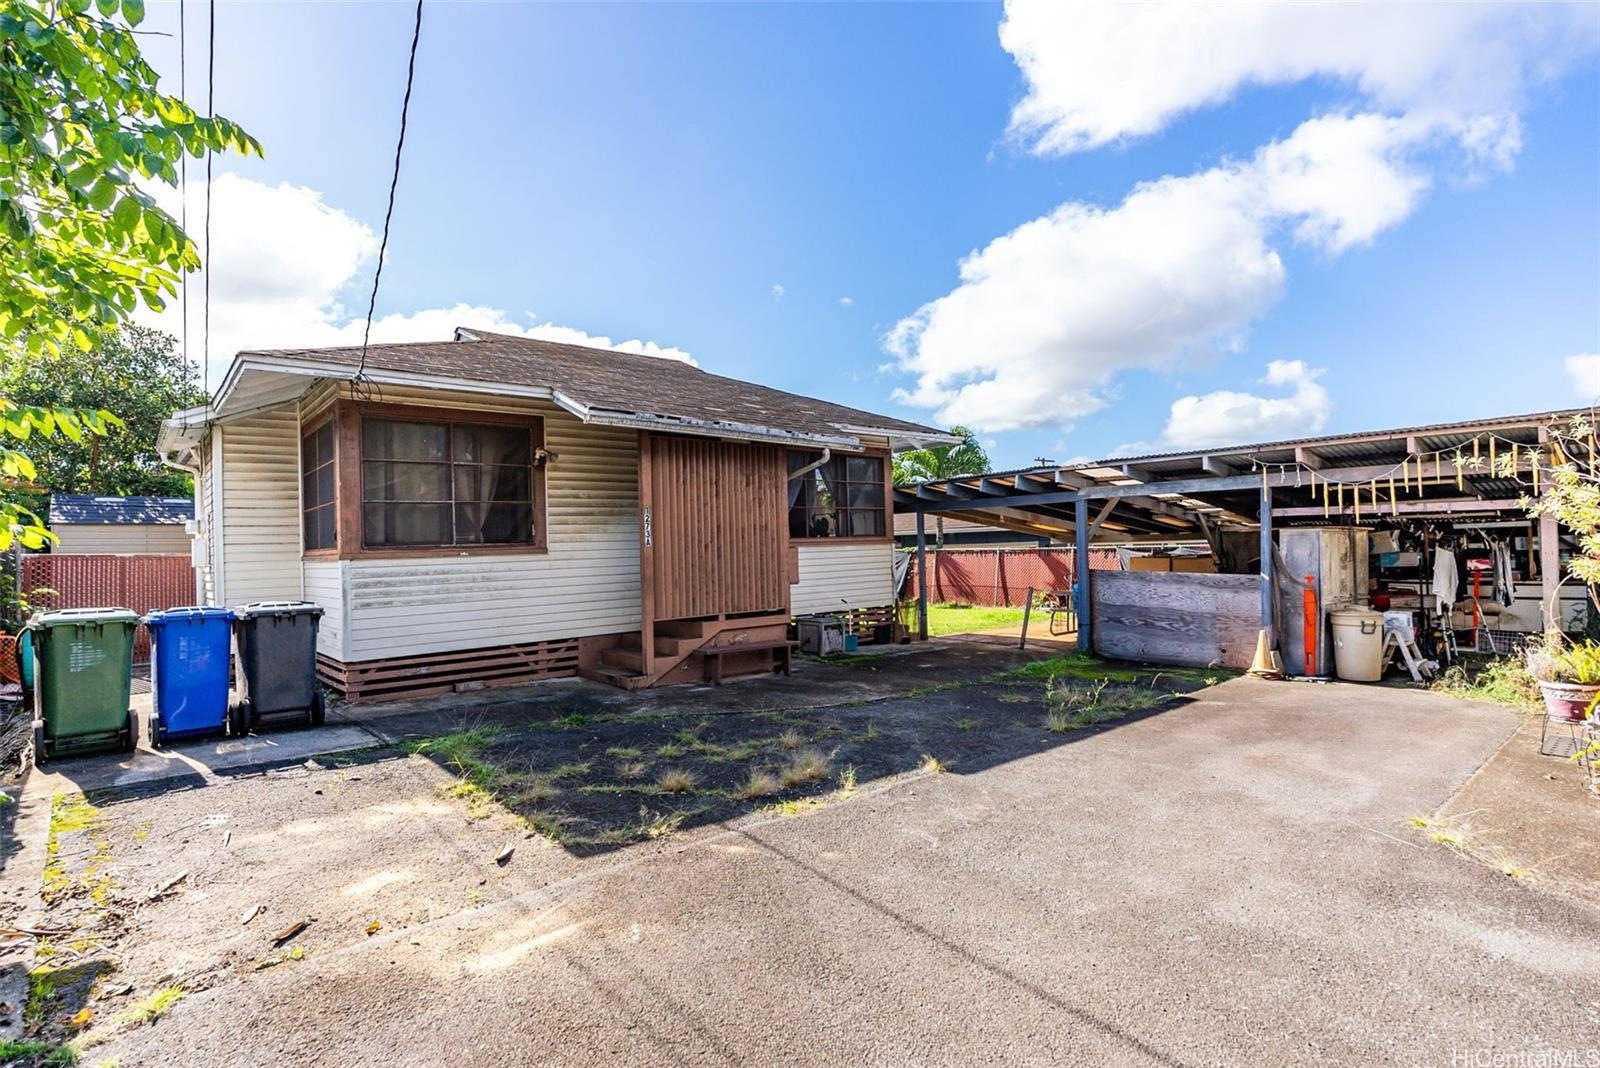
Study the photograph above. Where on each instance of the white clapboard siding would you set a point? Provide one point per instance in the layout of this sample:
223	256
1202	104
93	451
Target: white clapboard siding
121	538
324	585
586	583
260	517
834	577
205	503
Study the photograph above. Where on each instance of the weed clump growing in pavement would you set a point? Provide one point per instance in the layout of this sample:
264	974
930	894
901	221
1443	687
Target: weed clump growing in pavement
150	1009
761	783
1073	706
676	781
807	765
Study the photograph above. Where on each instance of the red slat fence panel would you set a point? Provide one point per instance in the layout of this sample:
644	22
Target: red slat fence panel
142	582
1001	576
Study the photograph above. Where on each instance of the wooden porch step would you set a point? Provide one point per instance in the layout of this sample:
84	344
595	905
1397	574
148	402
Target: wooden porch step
614	676
666	645
624	659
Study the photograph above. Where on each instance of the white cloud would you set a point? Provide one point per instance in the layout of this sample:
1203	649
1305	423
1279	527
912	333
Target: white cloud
1043	318
777	292
1046	315
284	263
847	301
1226	417
1098	73
1584	370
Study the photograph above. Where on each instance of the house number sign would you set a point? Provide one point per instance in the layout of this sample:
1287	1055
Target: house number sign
648	539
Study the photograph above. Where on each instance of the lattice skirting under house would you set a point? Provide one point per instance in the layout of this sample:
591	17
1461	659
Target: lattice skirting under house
438	673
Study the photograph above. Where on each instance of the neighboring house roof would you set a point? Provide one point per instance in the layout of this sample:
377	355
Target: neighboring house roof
80	508
905	523
600	386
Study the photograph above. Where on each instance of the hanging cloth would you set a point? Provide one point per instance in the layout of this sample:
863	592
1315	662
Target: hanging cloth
1504	584
1445	579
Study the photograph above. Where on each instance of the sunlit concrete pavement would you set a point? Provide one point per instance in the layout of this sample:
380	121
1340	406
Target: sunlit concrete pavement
1231	881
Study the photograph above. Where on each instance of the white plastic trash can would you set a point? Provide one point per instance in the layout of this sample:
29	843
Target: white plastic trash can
1357	644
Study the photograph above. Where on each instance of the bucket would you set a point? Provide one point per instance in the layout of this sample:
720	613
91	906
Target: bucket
1357	644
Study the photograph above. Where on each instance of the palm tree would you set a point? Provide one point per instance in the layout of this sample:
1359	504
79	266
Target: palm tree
940	462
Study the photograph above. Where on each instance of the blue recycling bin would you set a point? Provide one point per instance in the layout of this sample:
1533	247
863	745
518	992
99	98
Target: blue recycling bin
189	658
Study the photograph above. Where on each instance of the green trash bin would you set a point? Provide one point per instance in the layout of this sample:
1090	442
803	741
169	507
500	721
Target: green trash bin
83	667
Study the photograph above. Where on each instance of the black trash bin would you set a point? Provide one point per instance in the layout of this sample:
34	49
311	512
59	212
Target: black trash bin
277	648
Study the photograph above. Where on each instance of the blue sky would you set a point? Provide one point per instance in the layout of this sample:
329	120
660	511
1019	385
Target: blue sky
653	172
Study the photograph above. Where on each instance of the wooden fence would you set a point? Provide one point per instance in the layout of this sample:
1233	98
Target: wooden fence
143	583
1001	576
1190	620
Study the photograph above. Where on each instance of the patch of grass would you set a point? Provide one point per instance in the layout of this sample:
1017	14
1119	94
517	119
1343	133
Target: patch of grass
535	791
966	723
74	814
548	824
43	997
459	751
1072	665
624	752
926	691
575	719
945	619
569	771
676	781
932	764
761	783
34	1052
868	735
791	739
149	1009
632	769
670	751
1503	680
737	753
1016	697
649	827
1075	707
807	765
795	806
1512	870
847	780
1438	831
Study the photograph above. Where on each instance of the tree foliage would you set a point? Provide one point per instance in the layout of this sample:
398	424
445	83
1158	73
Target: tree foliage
942	461
83	126
1570	493
136	370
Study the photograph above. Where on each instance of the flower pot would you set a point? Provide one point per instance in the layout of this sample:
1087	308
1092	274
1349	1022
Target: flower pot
1568	700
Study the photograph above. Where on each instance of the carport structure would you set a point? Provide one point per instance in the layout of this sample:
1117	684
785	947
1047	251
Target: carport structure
1232	497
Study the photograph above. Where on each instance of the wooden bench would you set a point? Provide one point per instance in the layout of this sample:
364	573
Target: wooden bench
782	649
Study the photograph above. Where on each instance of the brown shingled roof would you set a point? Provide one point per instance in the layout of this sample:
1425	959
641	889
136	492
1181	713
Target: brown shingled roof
610	381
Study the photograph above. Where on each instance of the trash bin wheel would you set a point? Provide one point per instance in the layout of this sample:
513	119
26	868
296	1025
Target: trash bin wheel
239	719
319	709
41	752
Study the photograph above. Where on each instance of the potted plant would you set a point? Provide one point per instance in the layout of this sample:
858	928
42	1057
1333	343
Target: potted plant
1568	676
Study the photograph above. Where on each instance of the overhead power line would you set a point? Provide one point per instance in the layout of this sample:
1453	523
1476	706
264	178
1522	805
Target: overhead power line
394	183
211	111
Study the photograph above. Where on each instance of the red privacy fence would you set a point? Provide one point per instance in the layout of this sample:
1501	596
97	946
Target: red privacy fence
94	580
1001	576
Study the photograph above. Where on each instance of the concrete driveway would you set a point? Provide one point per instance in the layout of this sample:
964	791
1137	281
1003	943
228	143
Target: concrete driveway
1230	881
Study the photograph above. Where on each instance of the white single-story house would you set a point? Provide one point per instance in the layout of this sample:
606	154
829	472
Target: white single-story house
86	523
493	509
